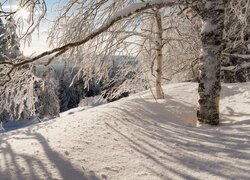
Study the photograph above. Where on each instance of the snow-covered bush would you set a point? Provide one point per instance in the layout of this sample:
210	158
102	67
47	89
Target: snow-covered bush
92	101
1	127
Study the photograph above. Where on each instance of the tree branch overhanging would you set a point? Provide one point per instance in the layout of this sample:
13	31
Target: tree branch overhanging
125	13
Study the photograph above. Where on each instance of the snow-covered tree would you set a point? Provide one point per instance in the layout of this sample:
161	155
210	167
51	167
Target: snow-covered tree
17	101
181	45
47	104
213	15
3	39
13	43
236	68
24	95
93	22
70	91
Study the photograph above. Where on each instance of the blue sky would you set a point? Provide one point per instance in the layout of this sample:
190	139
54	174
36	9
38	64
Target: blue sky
39	41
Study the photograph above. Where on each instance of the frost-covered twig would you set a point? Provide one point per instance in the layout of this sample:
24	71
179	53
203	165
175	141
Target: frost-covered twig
242	56
125	13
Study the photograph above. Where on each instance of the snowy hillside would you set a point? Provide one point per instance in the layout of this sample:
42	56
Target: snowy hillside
135	138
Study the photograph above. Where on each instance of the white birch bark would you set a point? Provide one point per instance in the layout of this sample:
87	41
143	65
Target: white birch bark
213	14
159	47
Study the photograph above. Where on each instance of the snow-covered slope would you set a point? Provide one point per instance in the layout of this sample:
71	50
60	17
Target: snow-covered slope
135	138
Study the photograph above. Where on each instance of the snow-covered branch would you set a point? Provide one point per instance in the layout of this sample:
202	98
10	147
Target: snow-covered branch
242	56
125	13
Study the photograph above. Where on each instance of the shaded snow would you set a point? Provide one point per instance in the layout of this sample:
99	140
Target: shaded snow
135	138
14	125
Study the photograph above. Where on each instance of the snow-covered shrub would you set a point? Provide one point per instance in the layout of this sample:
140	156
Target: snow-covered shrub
92	101
1	127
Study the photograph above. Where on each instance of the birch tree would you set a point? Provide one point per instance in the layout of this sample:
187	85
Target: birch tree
180	45
159	47
212	13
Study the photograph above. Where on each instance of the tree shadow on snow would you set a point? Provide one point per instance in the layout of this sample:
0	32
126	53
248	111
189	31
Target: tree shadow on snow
228	91
32	166
182	151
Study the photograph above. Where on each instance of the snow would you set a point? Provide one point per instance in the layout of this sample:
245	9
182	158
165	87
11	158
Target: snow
133	8
135	138
243	56
92	101
208	26
228	68
137	6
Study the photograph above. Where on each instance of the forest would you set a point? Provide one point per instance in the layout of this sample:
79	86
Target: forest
124	89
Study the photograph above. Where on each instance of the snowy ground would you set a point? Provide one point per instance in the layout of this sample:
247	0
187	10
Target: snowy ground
135	138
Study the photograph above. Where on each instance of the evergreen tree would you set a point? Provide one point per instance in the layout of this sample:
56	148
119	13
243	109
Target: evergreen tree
46	92
65	92
13	44
3	39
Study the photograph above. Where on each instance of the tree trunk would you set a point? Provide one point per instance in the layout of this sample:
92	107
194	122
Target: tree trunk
159	46
213	15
